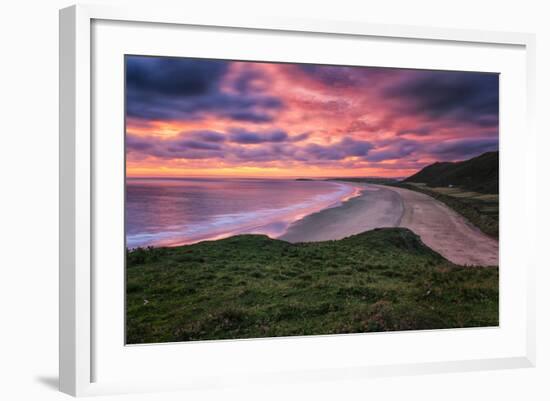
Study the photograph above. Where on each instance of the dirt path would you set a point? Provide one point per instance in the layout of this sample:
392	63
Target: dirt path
444	230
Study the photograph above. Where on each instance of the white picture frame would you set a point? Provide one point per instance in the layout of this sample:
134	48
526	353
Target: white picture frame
78	162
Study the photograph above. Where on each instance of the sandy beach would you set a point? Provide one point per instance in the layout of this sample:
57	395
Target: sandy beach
439	227
374	208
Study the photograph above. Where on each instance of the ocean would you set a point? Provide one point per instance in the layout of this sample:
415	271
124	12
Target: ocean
171	212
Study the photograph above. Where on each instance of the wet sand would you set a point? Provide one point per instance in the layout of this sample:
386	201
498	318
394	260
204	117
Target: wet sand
439	227
374	208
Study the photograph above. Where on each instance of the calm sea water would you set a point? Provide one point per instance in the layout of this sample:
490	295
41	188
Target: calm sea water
164	212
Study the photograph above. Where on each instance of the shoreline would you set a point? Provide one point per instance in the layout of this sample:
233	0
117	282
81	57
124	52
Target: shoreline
373	208
380	206
439	227
273	227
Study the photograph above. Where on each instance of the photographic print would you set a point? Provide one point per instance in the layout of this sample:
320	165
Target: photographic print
272	199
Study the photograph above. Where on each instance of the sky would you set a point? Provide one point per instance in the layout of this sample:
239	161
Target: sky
200	117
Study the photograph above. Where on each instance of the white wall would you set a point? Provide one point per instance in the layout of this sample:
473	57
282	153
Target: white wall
28	197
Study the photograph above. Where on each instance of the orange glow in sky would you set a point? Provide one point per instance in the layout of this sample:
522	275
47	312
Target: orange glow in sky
190	117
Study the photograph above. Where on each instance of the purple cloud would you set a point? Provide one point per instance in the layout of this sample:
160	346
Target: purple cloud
462	96
171	88
247	137
462	148
396	150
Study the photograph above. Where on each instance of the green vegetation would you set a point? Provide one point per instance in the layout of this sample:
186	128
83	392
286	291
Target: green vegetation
479	209
253	286
479	174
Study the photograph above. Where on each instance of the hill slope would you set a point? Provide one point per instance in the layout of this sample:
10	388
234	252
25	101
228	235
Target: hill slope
479	174
253	286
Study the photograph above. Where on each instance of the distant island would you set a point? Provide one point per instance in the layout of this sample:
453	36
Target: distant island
372	180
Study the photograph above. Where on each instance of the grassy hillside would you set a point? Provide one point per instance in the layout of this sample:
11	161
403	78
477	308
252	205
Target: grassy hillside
479	174
253	286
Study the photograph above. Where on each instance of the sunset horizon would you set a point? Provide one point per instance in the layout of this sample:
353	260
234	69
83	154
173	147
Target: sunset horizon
190	117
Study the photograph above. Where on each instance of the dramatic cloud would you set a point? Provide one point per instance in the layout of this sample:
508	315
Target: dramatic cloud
187	89
419	131
395	151
206	136
462	148
247	137
175	77
268	146
459	95
347	147
202	117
